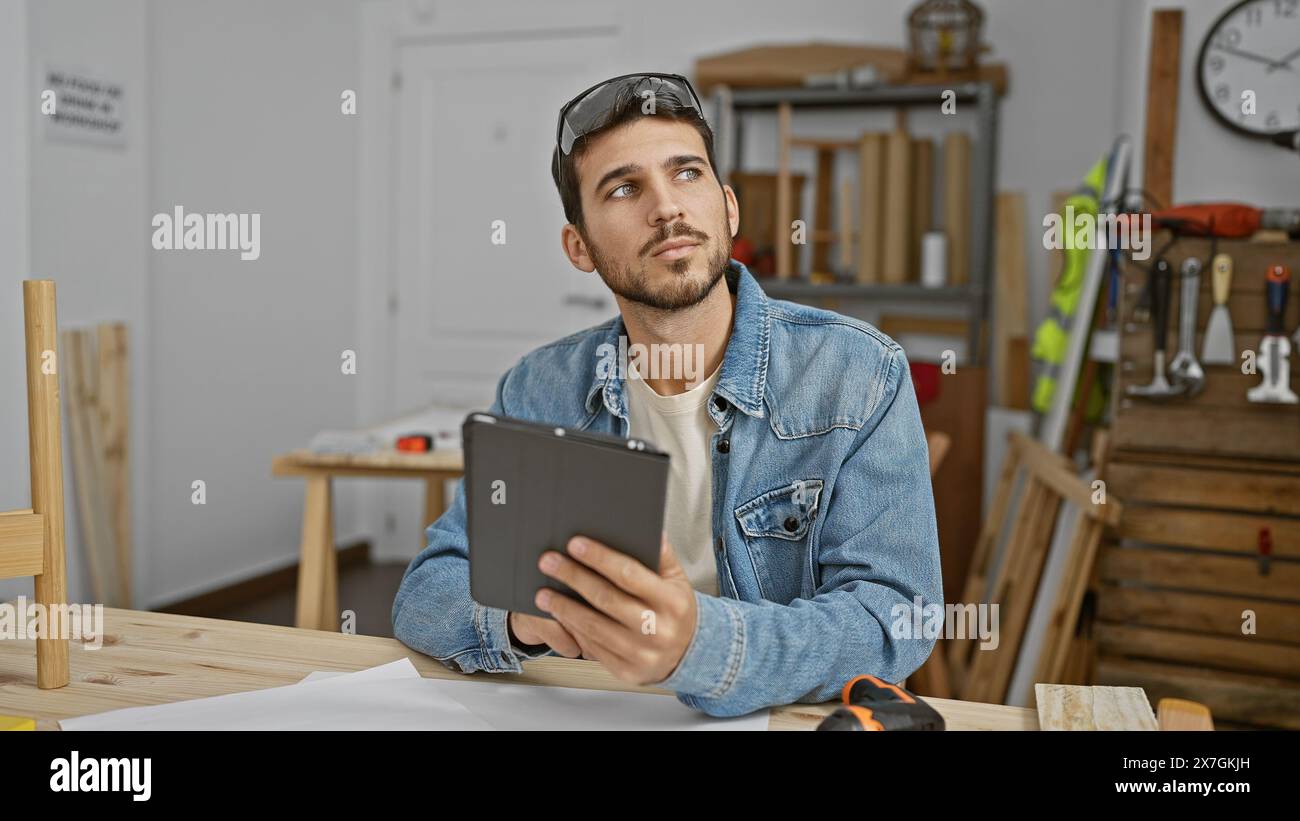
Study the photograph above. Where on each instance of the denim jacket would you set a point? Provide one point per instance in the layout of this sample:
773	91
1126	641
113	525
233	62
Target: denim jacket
823	516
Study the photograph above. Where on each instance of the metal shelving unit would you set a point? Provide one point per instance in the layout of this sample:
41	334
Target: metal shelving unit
729	104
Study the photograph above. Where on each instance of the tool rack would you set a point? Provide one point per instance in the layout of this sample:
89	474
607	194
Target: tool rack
1208	546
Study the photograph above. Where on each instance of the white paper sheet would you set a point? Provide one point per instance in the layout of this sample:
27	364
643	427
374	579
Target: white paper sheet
395	697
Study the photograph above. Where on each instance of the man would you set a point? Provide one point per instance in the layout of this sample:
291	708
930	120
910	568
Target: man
799	522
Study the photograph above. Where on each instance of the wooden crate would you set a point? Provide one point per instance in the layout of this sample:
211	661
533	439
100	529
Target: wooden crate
1201	479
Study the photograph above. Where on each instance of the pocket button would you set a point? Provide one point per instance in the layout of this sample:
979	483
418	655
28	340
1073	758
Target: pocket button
791	524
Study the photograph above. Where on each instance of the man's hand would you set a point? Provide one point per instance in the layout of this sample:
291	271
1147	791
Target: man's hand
640	622
533	630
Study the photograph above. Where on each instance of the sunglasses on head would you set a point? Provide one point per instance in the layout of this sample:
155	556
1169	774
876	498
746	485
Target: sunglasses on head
588	111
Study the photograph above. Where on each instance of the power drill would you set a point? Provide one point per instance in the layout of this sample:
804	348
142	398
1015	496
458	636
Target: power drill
872	704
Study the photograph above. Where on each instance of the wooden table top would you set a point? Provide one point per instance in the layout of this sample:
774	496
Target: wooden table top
154	658
384	463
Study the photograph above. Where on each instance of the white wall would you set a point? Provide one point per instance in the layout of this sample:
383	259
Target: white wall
85	210
246	354
15	490
1211	162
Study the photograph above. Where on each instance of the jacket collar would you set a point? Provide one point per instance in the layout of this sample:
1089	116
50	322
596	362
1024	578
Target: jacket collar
743	379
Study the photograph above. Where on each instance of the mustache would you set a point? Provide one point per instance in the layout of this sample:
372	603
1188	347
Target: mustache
680	229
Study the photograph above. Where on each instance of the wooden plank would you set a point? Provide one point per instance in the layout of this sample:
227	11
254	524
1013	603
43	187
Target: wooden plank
22	544
1162	104
896	267
1207	430
1259	700
1210	530
784	205
1219	615
895	325
1247	490
94	527
1177	714
1011	295
1057	474
871	217
844	227
1063	616
922	200
1248	654
1176	570
957	204
1200	461
1072	707
114	416
822	198
45	451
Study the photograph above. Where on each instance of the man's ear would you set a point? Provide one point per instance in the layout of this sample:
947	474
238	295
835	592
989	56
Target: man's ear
733	209
575	248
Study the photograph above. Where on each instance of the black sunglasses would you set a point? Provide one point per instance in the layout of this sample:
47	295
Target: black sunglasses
587	112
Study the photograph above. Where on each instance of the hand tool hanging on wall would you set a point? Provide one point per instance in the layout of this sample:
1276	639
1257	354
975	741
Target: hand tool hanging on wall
1274	359
1218	346
1185	370
1159	388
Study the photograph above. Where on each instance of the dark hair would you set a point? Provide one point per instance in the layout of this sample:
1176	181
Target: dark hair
626	108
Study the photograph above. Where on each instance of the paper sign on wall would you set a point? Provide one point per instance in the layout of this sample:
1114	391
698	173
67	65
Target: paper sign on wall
79	107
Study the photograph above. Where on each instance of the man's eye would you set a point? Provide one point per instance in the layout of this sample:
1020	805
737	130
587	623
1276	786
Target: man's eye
615	195
695	171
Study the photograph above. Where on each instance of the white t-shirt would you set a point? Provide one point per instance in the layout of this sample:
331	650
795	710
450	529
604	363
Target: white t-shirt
680	426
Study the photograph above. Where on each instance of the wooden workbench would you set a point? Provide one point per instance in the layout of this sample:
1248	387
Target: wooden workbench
154	658
318	582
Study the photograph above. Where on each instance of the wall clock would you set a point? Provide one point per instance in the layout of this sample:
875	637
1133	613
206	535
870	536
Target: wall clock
1254	47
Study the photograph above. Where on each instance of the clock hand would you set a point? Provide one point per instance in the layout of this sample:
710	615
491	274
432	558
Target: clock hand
1272	64
1285	62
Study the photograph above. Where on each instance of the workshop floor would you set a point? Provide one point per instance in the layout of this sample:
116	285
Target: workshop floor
366	588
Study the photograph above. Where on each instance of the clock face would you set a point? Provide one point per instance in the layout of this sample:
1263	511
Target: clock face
1249	67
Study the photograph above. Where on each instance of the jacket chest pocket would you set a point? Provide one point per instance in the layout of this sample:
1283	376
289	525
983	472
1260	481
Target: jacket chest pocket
776	526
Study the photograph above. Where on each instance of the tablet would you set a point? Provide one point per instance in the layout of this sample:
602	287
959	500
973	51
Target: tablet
529	488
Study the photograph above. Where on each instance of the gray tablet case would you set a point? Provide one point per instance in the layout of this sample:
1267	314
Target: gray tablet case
531	487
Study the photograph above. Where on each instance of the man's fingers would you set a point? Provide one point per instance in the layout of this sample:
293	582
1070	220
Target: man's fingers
583	623
669	567
560	640
621	569
593	587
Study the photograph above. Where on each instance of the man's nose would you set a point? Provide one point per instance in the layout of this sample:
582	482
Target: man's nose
666	205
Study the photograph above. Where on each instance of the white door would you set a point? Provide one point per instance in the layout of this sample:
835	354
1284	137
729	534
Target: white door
475	128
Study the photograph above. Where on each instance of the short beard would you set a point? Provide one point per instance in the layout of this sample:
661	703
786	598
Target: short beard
634	286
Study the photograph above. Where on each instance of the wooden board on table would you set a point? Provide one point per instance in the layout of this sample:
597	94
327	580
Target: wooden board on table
1073	707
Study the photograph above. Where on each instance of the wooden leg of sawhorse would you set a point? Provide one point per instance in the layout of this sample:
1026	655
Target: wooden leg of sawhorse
318	571
435	503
